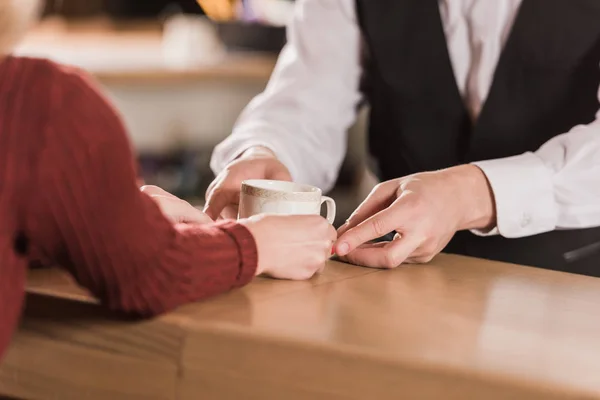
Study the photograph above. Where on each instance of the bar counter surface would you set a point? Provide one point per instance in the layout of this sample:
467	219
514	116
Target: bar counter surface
457	328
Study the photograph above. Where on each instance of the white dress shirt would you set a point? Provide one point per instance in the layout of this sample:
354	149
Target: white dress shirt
310	102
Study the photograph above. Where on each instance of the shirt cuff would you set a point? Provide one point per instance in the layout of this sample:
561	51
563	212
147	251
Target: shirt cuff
524	196
247	250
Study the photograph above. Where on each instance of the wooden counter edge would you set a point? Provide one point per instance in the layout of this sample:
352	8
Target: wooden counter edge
265	365
88	352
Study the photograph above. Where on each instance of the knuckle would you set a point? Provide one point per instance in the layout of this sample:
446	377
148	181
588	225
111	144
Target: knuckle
428	258
239	163
378	226
379	186
390	260
309	273
321	224
218	191
323	247
321	255
376	189
423	259
316	267
413	201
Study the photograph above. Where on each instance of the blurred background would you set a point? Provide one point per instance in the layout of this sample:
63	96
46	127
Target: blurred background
180	79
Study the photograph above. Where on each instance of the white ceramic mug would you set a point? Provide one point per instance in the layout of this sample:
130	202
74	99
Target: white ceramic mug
262	196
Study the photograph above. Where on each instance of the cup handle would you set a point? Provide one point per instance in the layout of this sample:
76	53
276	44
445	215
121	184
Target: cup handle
330	203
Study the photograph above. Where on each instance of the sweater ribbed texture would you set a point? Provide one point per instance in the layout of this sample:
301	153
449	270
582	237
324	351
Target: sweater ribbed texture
68	197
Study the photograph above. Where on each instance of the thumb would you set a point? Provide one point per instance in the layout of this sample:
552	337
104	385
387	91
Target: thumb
152	190
219	199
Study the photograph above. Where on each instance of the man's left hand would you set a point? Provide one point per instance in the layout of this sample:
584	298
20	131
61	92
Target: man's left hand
425	210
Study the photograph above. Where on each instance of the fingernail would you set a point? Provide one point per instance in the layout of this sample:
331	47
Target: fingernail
342	249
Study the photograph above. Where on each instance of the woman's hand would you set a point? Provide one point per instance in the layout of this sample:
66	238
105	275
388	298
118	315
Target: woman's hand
176	210
425	210
289	246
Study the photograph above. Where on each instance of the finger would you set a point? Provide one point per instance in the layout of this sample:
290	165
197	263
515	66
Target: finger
387	255
216	182
364	246
419	260
372	228
155	190
422	255
327	258
220	198
281	175
380	198
179	211
197	217
370	246
230	212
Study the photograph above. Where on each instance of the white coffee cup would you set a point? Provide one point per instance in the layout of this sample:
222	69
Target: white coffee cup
262	196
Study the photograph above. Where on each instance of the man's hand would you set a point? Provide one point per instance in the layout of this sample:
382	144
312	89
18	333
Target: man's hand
223	194
176	210
425	210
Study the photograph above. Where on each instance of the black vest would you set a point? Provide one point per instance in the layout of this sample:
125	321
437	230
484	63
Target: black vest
545	83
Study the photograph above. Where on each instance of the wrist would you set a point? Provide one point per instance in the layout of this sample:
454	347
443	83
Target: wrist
248	224
477	209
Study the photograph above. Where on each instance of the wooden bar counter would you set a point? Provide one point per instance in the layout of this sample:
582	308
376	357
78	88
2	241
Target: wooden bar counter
458	328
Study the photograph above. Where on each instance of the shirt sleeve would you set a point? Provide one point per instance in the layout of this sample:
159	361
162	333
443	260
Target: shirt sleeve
555	187
310	102
88	216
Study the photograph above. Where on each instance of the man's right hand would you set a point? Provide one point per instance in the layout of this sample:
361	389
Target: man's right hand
223	194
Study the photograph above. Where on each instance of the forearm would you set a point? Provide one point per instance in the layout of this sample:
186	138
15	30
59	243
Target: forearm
193	263
284	123
311	98
556	187
132	258
88	215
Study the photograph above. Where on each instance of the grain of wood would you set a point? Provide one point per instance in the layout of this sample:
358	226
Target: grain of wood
456	328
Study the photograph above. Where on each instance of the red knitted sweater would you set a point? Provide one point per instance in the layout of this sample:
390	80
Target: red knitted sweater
68	196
